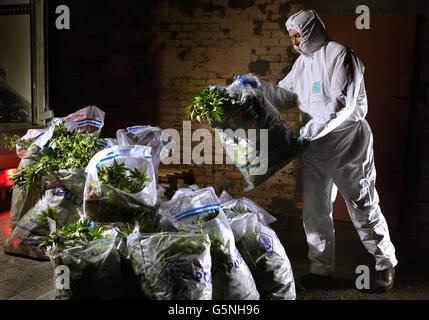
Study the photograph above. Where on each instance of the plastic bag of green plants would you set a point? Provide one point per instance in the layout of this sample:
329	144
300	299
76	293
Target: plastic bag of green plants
55	149
265	256
172	265
251	129
186	207
87	256
94	253
161	143
60	205
199	210
234	207
24	200
231	277
120	184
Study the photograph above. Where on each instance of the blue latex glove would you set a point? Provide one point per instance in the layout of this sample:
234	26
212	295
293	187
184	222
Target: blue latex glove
91	224
302	144
246	80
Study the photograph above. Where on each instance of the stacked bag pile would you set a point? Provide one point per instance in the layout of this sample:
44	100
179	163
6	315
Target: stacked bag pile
94	205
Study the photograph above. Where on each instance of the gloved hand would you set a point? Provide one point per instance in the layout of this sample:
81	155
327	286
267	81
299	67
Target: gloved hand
303	144
244	80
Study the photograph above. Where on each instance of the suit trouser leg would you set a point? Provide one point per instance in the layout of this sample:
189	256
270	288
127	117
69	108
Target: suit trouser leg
356	181
319	194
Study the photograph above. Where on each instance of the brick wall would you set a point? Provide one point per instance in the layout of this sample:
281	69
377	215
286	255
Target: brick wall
140	60
209	43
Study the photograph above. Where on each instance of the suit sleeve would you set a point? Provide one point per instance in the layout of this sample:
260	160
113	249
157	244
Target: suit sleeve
281	97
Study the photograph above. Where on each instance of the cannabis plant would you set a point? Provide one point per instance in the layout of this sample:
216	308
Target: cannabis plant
119	176
208	104
65	150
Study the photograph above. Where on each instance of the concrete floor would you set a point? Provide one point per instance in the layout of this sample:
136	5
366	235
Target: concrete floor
412	251
29	279
23	278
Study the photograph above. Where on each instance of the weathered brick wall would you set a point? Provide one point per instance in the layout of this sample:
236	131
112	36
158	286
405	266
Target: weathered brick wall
140	60
208	43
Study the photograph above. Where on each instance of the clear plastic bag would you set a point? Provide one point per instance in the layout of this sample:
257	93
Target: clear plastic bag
94	267
72	181
188	208
231	277
265	256
87	120
234	207
22	201
225	197
105	203
146	135
172	265
253	109
30	229
186	190
30	135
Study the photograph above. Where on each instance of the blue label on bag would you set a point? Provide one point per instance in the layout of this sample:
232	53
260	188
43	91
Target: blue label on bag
197	211
266	242
316	87
170	274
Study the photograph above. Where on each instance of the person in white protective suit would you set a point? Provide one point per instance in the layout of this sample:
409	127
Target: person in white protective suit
337	149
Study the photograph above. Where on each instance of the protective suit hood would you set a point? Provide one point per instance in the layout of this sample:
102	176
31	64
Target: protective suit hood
311	28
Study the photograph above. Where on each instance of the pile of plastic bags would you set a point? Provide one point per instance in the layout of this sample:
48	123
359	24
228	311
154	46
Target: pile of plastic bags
140	245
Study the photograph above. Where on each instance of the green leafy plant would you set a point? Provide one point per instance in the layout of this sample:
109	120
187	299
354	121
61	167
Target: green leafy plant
10	142
83	230
211	215
43	217
66	150
125	229
229	281
119	176
208	104
113	200
266	258
167	265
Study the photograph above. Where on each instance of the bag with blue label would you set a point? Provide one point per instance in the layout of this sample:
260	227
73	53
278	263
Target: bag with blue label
57	203
42	148
234	207
187	206
89	120
200	210
161	143
265	256
231	277
120	185
171	265
256	138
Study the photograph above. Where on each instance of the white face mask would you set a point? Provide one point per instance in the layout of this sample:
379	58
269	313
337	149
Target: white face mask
298	49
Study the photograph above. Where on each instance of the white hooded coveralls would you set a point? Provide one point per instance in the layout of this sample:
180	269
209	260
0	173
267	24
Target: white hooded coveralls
328	81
